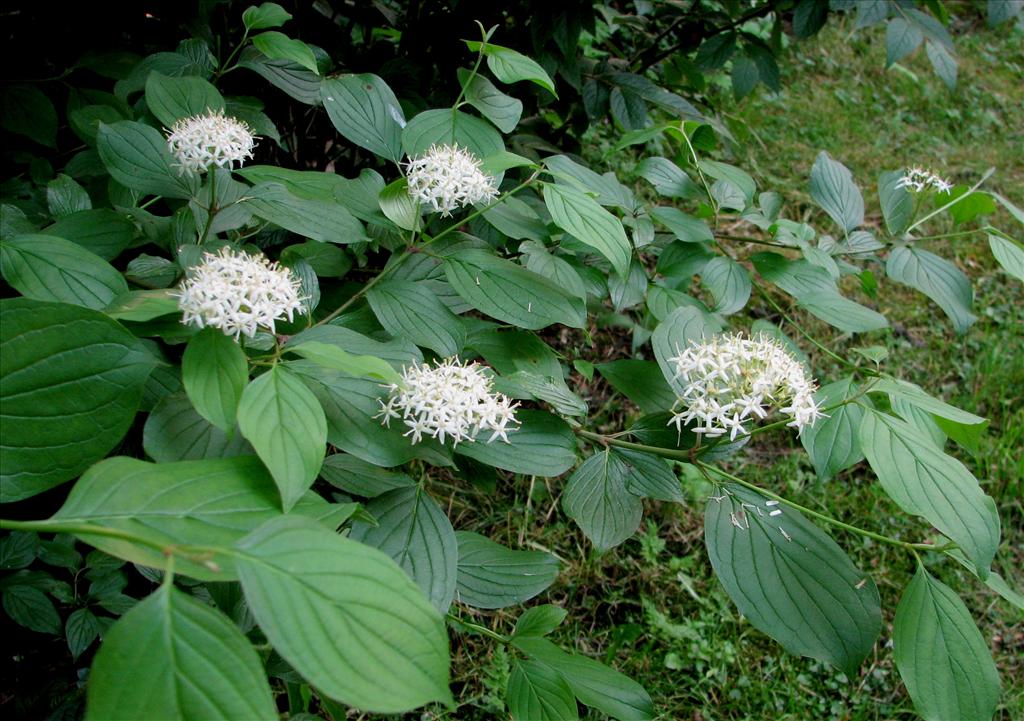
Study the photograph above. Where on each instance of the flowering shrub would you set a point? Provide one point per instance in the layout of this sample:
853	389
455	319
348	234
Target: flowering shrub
284	361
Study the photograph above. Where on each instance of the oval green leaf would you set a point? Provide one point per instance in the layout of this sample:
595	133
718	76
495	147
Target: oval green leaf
212	502
790	579
943	659
284	422
44	267
173	657
414	531
345	616
492	576
71	382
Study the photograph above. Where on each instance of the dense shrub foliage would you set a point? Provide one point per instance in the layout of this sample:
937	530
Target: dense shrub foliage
262	294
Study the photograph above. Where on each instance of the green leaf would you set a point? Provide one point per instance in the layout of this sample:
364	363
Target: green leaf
212	502
809	17
668	179
684	226
540	261
729	284
102	231
411	310
841	312
641	381
501	161
444	127
329	222
596	497
354	475
171	99
675	333
511	293
350	405
288	76
414	531
71	382
901	39
142	305
790	579
27	111
214	371
174	431
137	157
399	207
64	196
1009	254
510	66
926	482
942	62
938	279
592	682
502	110
915	395
943	659
366	112
832	442
648	476
492	576
331	356
832	188
731	174
397	351
896	201
539	693
542	445
29	607
267	15
345	616
278	46
744	76
18	549
968	206
577	213
158	662
554	391
605	189
539	620
286	425
81	629
304	184
47	268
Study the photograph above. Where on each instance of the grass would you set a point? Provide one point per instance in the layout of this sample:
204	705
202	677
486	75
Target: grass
652	607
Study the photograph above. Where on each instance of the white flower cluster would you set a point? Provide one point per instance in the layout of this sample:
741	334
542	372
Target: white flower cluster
730	379
238	293
450	399
202	141
917	179
447	178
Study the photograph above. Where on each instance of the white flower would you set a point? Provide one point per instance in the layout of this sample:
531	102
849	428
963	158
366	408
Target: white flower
917	179
238	293
202	141
730	379
447	178
450	399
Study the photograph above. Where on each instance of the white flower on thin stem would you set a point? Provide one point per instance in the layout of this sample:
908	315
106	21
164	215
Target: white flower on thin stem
917	180
449	400
203	141
238	293
730	380
447	178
